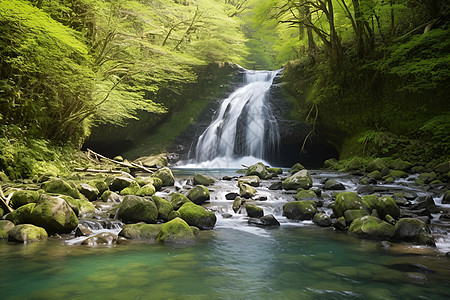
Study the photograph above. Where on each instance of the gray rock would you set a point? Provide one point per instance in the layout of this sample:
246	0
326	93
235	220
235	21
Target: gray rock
301	179
269	220
254	211
91	193
25	233
332	184
119	183
322	220
134	209
300	210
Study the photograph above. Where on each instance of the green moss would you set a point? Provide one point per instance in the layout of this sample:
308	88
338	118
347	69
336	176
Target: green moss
300	210
166	176
23	197
305	195
132	189
5	227
22	214
301	179
345	201
135	209
198	194
164	207
371	228
176	231
275	170
59	186
148	232
196	215
254	211
177	200
146	190
296	167
25	233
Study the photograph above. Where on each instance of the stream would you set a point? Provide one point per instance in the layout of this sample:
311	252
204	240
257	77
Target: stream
235	260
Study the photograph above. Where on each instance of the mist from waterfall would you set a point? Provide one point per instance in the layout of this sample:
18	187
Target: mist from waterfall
244	129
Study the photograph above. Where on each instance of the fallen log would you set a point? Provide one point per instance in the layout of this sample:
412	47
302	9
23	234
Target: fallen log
128	165
100	171
4	201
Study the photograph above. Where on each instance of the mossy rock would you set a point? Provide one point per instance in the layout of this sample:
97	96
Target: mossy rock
100	185
409	229
375	175
23	197
90	192
198	194
352	214
300	180
177	200
134	209
102	238
132	189
59	186
176	231
427	177
174	214
21	215
26	233
306	195
164	208
2	212
54	215
378	164
345	201
5	227
198	216
155	181
246	190
142	231
85	207
400	165
397	174
146	190
275	170
384	205
322	220
73	203
237	203
371	228
300	210
446	198
254	211
258	169
355	163
119	183
330	163
443	168
110	196
200	179
250	180
296	167
334	185
166	176
3	176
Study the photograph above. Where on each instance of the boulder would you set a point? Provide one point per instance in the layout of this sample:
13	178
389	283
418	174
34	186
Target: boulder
409	229
166	176
177	200
104	238
352	214
237	204
82	231
59	186
100	185
302	179
250	180
365	190
371	228
198	216
322	220
154	160
134	209
306	195
25	233
5	227
254	211
146	190
377	164
164	208
156	182
355	164
23	197
300	210
275	170
90	192
246	191
296	167
397	174
54	215
21	215
132	189
332	184
260	170
109	196
231	196
141	231
119	183
79	207
400	165
426	202
200	179
269	220
427	177
198	194
345	201
375	175
340	223
446	198
443	168
176	231
174	214
276	186
384	205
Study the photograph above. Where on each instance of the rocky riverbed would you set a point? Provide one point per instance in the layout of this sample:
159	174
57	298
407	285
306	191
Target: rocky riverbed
108	209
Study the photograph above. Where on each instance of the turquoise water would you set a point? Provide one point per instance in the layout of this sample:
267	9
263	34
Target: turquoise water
291	262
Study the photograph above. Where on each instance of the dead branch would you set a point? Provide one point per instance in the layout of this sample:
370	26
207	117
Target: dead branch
128	165
4	201
100	171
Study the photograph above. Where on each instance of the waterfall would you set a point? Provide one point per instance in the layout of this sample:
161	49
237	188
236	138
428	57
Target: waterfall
244	125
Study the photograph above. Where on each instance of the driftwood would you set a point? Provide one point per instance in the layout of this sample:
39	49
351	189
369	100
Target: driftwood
4	201
100	171
128	165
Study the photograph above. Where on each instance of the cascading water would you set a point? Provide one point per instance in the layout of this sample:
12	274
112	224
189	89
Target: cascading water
244	129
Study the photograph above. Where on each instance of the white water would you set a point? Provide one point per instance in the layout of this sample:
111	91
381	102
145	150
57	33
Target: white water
244	130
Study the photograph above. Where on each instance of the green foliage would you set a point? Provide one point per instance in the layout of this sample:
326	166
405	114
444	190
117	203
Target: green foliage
437	130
